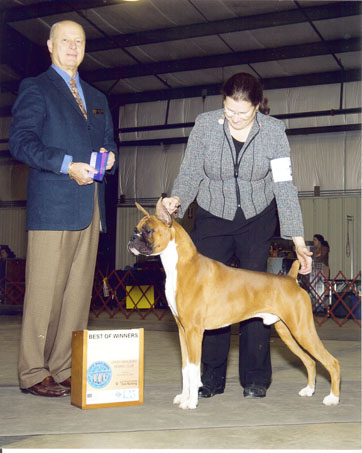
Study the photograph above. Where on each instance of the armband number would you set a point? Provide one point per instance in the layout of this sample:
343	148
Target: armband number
282	169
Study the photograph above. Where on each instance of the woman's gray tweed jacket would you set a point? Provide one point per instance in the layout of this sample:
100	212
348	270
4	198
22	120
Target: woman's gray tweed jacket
207	171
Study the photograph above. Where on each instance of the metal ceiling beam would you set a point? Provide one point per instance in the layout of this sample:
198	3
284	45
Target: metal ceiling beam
215	61
274	19
283	116
180	140
324	78
222	60
296	131
53	7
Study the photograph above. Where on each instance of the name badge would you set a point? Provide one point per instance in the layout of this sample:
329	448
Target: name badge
98	111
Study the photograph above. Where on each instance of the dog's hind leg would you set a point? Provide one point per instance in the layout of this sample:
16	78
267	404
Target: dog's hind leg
308	339
302	327
308	362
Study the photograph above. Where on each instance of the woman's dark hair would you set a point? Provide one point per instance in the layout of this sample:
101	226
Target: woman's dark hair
321	239
7	250
245	87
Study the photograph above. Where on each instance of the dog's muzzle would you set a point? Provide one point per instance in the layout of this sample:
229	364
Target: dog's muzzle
131	249
137	245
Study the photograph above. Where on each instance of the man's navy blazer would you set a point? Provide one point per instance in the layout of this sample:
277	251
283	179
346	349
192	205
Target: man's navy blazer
48	124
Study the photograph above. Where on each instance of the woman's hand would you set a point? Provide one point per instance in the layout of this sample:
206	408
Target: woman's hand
171	204
304	255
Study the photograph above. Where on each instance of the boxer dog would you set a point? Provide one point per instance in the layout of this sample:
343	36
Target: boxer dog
204	294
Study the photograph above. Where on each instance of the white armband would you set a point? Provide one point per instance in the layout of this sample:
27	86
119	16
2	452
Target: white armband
282	169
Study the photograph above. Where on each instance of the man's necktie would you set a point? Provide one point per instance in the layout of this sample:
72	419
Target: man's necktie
75	93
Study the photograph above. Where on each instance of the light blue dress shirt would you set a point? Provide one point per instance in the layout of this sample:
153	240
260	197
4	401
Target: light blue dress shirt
66	77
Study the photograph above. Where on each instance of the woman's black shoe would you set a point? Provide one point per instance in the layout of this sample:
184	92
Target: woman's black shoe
254	391
207	391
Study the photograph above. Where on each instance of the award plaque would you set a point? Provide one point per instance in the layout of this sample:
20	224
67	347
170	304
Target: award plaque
107	368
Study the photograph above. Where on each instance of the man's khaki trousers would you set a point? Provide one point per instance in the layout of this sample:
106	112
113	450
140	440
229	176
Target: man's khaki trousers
59	280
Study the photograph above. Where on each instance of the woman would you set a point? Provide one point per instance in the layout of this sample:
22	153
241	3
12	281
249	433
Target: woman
321	253
5	254
237	165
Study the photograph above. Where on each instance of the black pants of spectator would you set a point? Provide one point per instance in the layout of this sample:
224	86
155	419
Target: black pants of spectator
247	243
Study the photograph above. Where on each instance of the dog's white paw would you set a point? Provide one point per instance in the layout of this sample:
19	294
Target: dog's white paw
307	391
189	404
331	400
179	399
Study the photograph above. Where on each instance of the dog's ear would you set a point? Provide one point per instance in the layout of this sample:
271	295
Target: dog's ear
139	207
162	213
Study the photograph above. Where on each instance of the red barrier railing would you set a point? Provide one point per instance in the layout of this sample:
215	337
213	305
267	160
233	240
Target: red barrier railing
337	298
11	292
122	291
132	293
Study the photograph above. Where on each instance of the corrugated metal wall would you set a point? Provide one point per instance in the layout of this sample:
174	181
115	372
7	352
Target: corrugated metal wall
331	161
328	216
127	219
321	215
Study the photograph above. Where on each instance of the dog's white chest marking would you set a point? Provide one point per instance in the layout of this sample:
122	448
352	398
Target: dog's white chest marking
169	260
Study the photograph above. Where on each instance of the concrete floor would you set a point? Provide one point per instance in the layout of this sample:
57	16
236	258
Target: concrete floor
282	420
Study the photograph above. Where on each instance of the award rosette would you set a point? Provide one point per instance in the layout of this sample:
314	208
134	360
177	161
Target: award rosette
107	368
99	162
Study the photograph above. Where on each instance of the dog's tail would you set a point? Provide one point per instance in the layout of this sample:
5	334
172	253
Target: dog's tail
293	271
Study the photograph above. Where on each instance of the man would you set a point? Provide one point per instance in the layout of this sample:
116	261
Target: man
56	126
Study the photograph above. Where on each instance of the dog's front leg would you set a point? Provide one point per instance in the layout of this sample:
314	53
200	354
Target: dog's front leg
189	397
192	379
191	372
184	395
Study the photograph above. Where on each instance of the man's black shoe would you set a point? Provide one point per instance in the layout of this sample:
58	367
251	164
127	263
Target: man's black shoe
254	391
207	391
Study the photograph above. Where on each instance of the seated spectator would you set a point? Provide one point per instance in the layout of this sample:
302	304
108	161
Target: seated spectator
5	253
321	254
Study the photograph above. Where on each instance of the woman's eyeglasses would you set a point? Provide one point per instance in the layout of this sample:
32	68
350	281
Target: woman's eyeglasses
243	115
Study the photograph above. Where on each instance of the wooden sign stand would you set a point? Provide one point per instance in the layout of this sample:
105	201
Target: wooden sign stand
107	368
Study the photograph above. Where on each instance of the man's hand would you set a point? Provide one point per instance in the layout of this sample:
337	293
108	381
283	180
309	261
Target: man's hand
111	158
78	171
